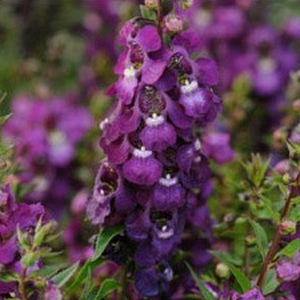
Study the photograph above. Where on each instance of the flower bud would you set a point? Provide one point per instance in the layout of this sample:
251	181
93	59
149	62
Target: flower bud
152	4
186	4
296	105
287	227
29	259
173	23
250	240
44	231
222	271
286	178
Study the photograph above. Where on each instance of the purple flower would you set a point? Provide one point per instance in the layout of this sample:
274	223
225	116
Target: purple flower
142	168
150	145
52	292
217	147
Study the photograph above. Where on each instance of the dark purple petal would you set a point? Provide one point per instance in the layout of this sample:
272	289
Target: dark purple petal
125	88
207	71
196	103
168	196
147	283
177	115
217	147
138	225
8	250
152	70
145	255
117	151
149	38
142	171
158	138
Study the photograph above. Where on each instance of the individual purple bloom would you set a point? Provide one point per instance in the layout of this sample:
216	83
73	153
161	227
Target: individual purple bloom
52	292
158	135
253	294
142	168
147	282
195	100
217	147
138	224
168	194
287	271
106	188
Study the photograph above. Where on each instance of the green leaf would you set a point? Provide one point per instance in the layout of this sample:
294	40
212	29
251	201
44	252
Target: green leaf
240	277
3	119
271	282
227	258
9	276
107	287
64	276
290	249
207	295
48	271
83	273
147	13
104	237
261	237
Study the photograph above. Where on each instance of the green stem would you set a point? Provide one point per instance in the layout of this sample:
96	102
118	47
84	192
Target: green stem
277	237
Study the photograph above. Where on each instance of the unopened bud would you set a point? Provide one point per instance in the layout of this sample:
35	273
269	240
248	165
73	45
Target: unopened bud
222	271
296	105
279	136
286	178
250	241
287	227
186	4
152	4
173	23
29	259
44	231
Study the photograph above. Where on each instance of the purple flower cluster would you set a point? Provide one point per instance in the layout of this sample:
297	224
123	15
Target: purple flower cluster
45	133
23	217
155	176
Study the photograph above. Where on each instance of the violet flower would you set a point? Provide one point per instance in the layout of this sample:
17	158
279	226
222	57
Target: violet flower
155	177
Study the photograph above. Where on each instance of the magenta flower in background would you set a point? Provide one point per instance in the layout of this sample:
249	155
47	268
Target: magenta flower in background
46	133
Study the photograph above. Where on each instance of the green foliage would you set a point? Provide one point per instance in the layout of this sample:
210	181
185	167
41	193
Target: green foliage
207	295
260	238
290	250
64	276
256	170
271	283
239	275
104	238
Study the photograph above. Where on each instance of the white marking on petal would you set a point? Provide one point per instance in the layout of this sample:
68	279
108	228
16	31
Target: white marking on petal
155	120
189	87
57	138
104	123
142	153
267	65
165	232
129	72
197	145
197	159
168	181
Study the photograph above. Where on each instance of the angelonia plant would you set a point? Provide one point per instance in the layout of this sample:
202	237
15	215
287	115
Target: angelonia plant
155	177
